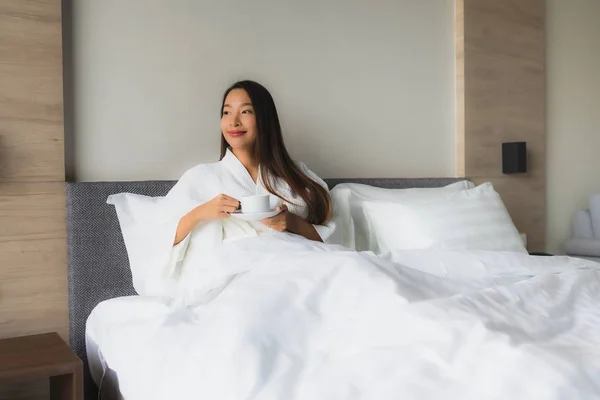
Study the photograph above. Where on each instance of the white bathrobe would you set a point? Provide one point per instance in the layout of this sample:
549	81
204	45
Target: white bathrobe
149	224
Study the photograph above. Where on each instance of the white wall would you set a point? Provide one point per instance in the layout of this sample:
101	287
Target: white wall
364	89
573	112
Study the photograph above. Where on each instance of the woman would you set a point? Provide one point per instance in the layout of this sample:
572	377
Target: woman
182	233
251	138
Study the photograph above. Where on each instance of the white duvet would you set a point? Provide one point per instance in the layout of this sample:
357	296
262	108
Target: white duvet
285	318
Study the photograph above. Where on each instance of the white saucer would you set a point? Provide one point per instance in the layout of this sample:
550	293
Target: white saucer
257	216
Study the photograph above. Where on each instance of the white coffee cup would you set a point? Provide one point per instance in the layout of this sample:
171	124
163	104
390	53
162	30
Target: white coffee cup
255	204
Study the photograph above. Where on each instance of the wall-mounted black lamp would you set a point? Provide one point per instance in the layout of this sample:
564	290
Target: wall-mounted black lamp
514	157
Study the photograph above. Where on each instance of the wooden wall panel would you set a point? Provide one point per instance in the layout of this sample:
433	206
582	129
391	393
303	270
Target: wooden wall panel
501	97
31	150
33	290
33	267
31	122
31	110
29	32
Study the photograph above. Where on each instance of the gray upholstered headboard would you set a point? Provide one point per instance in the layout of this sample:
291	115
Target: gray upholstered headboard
98	263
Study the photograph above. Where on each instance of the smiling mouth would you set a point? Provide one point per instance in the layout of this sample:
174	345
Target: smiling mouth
236	133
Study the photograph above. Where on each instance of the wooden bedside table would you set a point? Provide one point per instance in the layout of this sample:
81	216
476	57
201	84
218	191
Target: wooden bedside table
44	356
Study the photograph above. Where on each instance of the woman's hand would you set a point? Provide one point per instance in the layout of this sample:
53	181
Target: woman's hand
281	221
287	221
218	208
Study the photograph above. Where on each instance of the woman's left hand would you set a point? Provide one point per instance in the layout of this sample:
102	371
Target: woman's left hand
280	222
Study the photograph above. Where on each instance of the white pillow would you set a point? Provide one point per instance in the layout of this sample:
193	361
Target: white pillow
473	219
355	194
383	194
134	207
149	225
139	216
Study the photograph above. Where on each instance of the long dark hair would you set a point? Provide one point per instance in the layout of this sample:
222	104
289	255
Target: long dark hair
273	158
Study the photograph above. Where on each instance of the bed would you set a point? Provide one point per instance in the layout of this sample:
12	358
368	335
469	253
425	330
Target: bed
97	258
99	271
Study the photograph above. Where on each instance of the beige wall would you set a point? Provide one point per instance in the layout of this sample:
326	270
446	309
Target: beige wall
372	82
573	112
147	89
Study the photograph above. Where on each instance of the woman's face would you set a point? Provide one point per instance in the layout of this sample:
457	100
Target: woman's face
238	122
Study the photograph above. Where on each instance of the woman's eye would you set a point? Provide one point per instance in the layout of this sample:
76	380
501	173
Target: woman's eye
225	112
247	112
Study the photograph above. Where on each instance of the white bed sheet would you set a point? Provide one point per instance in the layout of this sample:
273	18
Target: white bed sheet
94	354
103	318
104	377
307	321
